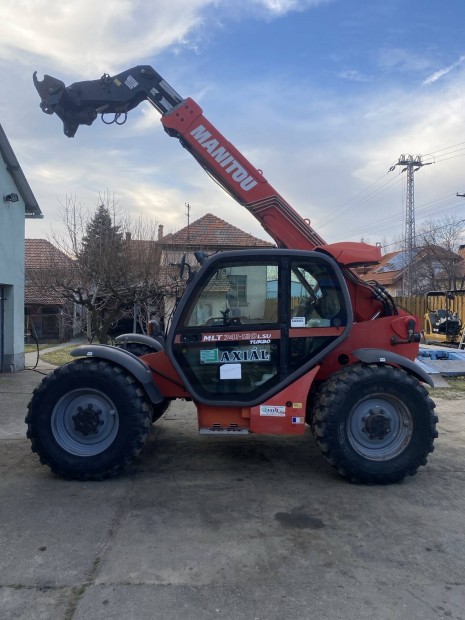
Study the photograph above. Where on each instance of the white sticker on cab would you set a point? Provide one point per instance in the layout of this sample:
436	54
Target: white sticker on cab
277	411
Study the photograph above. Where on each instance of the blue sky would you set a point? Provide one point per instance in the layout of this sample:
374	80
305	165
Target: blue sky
322	95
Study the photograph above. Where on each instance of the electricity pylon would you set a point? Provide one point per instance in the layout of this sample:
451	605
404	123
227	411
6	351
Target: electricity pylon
411	164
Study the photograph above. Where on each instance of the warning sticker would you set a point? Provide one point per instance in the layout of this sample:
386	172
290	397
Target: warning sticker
131	82
277	411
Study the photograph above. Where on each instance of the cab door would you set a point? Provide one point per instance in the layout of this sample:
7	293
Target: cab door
248	324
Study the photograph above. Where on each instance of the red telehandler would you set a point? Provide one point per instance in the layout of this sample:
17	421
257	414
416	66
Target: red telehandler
251	359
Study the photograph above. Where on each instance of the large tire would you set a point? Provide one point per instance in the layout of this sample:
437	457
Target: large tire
138	349
374	423
88	419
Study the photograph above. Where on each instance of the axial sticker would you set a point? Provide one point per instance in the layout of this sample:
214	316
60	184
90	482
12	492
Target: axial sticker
245	354
277	411
298	420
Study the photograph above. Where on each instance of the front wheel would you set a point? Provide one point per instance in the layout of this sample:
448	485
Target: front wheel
138	349
375	424
88	419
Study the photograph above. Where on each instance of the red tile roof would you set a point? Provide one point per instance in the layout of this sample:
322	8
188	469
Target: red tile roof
40	254
212	232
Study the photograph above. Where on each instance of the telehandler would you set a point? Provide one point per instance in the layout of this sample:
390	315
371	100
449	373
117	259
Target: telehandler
341	360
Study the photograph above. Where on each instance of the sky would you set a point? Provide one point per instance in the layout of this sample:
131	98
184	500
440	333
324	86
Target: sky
324	96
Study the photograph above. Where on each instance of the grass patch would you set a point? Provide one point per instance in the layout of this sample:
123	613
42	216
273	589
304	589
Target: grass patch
455	390
32	348
59	357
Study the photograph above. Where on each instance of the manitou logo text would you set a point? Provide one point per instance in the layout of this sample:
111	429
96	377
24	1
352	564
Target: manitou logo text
225	159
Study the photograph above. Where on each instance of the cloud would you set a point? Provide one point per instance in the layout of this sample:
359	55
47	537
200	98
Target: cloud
281	7
86	37
434	77
402	60
354	76
317	151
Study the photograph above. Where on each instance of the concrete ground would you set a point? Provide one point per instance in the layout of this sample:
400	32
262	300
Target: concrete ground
245	528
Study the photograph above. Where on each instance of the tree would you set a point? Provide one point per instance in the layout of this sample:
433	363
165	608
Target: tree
439	266
112	273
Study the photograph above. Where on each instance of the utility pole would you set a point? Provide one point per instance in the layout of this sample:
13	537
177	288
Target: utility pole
411	165
188	213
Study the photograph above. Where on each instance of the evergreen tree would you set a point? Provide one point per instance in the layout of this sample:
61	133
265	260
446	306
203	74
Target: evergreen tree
101	245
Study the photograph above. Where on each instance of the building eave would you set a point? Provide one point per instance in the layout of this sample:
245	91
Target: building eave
32	209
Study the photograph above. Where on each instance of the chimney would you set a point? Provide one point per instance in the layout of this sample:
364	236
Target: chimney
160	232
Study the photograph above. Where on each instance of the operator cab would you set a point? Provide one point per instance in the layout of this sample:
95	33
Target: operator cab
249	324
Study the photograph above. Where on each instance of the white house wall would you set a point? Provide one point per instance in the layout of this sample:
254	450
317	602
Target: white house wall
11	274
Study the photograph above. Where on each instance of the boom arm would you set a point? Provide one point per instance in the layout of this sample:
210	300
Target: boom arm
80	103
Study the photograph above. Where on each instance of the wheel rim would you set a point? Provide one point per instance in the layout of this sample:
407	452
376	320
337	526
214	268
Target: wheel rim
379	427
84	422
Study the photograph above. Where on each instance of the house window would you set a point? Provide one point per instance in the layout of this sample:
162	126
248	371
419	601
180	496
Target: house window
239	289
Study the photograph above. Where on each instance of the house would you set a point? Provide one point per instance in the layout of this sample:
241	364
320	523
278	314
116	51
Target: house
48	316
16	202
431	268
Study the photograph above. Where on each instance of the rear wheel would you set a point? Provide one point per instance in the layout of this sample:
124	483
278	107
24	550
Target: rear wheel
375	424
136	348
88	419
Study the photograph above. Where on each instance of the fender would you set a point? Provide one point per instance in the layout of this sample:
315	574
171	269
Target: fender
380	356
154	344
127	360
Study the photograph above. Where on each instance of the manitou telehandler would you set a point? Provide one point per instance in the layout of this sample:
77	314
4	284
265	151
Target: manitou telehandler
341	360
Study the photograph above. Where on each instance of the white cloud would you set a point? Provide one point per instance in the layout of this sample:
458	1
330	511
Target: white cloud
434	77
402	60
86	37
318	153
281	7
353	75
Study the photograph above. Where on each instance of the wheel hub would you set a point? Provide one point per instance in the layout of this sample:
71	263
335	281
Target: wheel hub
377	424
379	427
87	421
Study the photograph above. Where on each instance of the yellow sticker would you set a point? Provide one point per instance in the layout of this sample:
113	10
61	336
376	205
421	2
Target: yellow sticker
117	82
297	405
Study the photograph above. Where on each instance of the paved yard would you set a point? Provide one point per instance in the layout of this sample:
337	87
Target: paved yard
245	528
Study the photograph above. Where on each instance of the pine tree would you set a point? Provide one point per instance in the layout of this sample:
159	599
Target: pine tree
102	242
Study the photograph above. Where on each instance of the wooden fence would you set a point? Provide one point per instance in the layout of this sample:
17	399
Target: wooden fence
418	305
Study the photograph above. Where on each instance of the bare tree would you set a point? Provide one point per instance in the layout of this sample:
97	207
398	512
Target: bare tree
108	265
438	265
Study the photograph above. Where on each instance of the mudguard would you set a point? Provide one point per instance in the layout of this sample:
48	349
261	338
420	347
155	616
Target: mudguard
153	343
127	360
380	356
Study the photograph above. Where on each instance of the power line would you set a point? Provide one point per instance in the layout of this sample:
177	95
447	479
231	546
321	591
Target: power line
440	155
